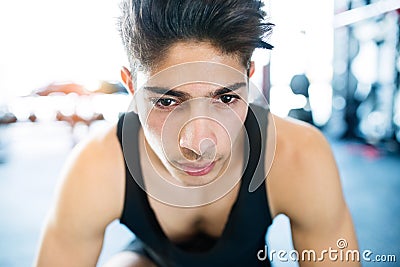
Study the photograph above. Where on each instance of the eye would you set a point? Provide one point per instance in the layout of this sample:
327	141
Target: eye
164	102
228	99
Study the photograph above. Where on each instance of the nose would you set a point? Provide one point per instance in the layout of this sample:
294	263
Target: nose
197	139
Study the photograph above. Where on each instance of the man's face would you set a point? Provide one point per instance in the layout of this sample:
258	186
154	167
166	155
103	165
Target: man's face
192	108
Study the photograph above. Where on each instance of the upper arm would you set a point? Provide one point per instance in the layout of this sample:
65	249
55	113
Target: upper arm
313	198
89	197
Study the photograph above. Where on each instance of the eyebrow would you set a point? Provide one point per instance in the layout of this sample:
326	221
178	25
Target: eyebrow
167	91
228	89
184	95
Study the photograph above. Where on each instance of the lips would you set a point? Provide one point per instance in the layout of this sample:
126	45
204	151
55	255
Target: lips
198	170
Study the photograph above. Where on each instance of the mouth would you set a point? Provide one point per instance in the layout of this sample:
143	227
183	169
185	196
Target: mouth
194	170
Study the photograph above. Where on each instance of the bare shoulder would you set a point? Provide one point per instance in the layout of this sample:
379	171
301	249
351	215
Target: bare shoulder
303	180
300	142
92	182
89	197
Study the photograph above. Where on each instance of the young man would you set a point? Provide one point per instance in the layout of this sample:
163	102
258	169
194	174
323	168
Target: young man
193	170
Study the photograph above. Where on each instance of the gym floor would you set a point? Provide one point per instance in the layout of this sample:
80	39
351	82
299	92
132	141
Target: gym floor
32	155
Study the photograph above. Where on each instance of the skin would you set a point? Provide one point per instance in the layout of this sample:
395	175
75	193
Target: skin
303	183
204	138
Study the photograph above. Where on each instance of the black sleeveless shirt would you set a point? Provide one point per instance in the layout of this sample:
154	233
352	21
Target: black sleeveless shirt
244	233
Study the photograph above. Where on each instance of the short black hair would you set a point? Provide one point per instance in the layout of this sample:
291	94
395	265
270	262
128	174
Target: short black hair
150	27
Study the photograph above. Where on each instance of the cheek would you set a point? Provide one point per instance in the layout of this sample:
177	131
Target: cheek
154	124
160	132
232	123
241	111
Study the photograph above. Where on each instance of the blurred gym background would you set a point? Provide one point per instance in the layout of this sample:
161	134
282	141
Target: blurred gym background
335	65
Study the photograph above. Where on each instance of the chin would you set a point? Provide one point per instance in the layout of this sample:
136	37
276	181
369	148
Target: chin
197	180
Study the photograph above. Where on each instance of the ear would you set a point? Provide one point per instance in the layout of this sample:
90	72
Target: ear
127	79
251	69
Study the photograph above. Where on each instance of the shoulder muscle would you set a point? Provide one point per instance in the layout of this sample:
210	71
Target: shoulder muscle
92	185
304	178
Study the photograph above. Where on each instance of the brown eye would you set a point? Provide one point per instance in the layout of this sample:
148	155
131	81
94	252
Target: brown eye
165	102
227	99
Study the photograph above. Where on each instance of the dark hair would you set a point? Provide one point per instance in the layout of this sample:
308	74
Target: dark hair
150	27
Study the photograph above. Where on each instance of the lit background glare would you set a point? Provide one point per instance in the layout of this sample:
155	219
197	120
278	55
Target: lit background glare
303	39
77	41
46	40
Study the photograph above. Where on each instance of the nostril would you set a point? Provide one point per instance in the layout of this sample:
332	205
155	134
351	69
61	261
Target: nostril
189	154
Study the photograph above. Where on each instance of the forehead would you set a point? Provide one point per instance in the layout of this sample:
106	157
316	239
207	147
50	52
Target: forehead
196	73
187	63
192	51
